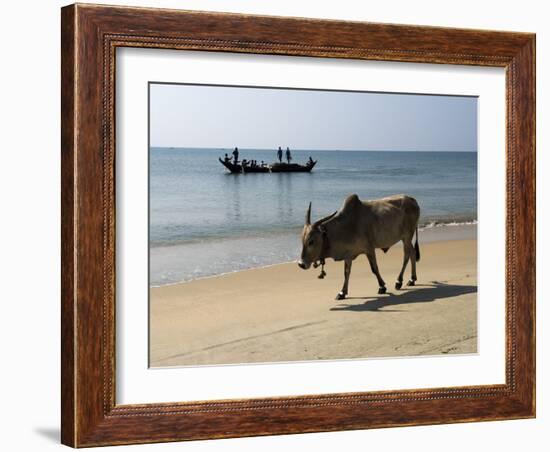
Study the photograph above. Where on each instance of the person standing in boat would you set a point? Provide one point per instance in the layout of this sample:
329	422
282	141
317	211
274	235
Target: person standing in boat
236	155
288	155
280	155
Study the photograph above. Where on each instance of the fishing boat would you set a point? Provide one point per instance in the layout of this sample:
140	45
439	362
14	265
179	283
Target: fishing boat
273	168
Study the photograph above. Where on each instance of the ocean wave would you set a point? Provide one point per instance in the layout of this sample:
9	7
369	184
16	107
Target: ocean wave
268	233
185	262
438	224
249	233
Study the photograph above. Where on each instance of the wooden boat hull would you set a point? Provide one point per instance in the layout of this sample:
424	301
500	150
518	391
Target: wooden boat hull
257	169
292	167
274	168
235	169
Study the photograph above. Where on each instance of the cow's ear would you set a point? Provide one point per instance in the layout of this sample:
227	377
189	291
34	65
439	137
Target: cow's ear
308	215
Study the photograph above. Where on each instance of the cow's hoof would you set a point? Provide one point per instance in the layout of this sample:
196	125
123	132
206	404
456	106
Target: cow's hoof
410	283
340	296
398	285
381	290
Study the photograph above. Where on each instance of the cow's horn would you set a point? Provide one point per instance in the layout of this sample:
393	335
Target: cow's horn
322	220
308	214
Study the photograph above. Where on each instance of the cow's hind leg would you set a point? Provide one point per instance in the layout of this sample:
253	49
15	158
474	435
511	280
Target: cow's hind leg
374	267
407	250
347	270
412	281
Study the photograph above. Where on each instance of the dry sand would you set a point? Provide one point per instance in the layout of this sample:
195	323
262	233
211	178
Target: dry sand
282	313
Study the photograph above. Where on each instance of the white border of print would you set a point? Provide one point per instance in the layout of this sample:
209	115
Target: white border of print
136	383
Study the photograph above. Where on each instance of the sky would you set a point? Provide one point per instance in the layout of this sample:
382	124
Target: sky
205	116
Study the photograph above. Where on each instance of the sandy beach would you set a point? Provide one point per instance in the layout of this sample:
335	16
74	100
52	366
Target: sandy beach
282	313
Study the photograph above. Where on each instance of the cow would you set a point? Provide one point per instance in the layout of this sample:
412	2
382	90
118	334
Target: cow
360	227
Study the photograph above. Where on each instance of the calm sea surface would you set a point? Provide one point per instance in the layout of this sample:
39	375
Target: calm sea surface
204	221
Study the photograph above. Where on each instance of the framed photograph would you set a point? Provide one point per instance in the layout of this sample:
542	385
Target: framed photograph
281	225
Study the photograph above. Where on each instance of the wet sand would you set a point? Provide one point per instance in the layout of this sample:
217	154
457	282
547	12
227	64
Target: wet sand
282	313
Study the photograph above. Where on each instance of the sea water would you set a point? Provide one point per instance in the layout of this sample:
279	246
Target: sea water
204	221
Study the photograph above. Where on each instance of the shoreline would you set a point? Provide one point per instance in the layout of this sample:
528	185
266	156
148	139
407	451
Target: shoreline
279	313
427	225
434	233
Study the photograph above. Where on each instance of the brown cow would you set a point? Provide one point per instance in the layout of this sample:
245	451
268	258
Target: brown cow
360	227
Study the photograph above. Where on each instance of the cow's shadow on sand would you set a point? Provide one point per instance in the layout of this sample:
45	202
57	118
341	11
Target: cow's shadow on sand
419	294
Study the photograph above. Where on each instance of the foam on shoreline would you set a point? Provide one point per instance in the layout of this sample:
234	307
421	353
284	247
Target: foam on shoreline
188	262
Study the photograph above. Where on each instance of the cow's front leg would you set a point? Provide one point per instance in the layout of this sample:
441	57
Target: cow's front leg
374	267
347	271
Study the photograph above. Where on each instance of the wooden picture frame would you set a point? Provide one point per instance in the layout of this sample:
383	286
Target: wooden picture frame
90	36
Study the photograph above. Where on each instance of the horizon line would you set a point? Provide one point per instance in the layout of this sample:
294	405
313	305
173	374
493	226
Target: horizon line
303	149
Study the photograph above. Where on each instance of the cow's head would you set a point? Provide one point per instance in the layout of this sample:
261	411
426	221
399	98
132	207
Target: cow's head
312	240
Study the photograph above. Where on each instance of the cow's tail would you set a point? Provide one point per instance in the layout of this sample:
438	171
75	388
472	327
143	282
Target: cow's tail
416	247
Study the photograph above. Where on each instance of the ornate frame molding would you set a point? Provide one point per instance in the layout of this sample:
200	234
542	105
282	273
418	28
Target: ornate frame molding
90	37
